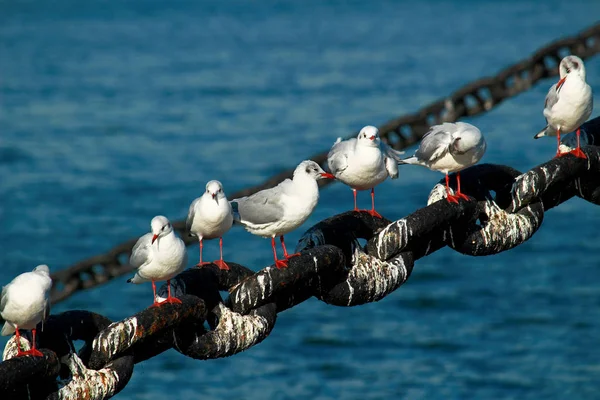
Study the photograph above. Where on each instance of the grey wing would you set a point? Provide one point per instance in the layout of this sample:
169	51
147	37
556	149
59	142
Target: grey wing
263	207
392	158
46	312
551	98
3	297
337	158
191	214
141	251
435	144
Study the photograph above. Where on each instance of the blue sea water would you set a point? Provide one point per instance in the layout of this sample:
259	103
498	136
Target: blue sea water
113	112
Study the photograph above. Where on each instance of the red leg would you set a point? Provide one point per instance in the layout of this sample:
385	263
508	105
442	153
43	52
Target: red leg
459	194
170	299
200	264
33	351
155	303
372	210
278	263
220	263
18	335
577	152
449	197
355	207
285	253
558	153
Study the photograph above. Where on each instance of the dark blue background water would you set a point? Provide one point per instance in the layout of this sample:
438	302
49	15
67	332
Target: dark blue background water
113	112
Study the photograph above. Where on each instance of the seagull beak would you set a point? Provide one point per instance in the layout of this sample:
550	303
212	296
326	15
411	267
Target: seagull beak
213	195
372	138
327	175
154	238
560	82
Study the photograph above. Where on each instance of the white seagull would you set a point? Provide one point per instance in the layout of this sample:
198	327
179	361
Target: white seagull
158	255
363	163
210	217
450	147
25	302
569	103
283	208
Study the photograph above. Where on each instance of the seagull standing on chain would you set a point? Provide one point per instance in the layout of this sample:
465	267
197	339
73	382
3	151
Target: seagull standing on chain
24	303
158	255
210	217
283	208
569	103
450	147
363	163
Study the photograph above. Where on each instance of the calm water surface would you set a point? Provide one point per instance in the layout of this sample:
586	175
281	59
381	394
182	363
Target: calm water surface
113	112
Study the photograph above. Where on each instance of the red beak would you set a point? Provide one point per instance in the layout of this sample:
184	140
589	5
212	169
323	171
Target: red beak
154	238
372	138
560	82
213	195
327	175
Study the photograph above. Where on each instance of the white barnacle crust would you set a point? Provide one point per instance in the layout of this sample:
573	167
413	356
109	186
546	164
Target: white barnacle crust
11	348
87	383
236	332
505	230
437	193
247	297
392	239
371	279
117	337
528	186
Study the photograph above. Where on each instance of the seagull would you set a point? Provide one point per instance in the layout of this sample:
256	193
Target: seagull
210	216
569	103
363	163
158	255
24	302
450	147
283	208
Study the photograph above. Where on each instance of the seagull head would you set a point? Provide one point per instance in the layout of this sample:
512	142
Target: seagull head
160	226
311	169
570	65
369	136
214	189
42	269
466	138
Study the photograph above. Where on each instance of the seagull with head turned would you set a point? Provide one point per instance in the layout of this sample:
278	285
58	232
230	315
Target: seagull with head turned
363	163
158	256
450	147
279	210
210	217
24	303
569	103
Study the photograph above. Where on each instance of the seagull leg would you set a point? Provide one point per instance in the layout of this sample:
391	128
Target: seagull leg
355	207
278	263
285	253
33	351
451	198
170	299
577	152
460	194
200	264
18	335
220	263
558	153
156	303
372	210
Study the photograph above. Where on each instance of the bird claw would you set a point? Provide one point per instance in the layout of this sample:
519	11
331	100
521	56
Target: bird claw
202	264
31	352
577	153
221	264
169	300
288	256
373	213
281	264
463	196
452	198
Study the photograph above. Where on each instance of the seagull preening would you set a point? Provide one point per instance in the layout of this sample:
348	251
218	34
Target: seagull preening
158	255
450	147
24	303
210	217
569	103
363	163
283	208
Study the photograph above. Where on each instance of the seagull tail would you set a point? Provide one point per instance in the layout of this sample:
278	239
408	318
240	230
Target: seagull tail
237	218
7	329
542	133
137	279
409	160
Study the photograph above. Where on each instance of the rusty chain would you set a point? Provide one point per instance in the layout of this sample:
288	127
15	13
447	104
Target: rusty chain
333	267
